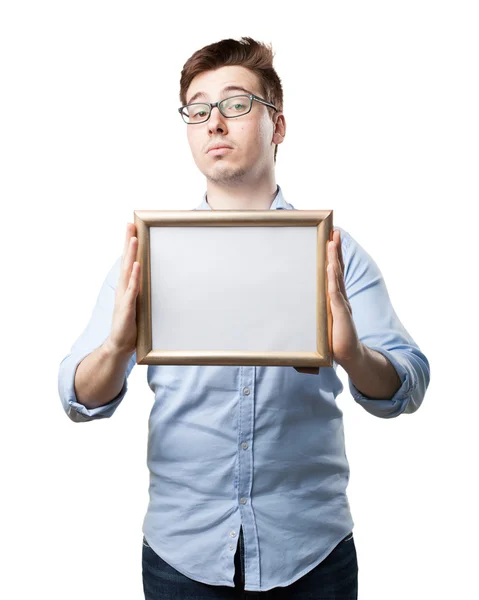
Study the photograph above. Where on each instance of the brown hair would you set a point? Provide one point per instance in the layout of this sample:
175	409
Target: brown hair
246	52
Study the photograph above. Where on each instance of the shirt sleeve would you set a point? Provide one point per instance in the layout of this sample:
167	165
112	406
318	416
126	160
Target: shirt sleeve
96	332
380	329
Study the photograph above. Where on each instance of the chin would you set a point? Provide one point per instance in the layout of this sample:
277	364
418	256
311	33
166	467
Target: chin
222	173
229	176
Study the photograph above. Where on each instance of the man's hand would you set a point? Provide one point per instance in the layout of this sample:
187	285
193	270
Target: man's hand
346	345
369	371
122	338
100	376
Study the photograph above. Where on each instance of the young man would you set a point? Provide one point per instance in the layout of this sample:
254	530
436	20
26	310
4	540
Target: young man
248	468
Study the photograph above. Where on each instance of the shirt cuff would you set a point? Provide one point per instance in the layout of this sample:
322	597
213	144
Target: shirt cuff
396	405
75	410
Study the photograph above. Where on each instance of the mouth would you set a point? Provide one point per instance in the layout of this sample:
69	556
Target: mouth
219	150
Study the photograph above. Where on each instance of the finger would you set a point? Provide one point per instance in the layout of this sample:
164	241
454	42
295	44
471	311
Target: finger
342	298
134	283
127	265
341	287
131	256
122	283
332	281
333	257
336	296
337	239
333	252
130	232
334	260
127	304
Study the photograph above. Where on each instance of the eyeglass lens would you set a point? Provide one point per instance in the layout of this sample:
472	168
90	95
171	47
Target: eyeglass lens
230	107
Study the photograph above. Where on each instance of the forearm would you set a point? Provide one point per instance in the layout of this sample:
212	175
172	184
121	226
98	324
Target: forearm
372	374
100	376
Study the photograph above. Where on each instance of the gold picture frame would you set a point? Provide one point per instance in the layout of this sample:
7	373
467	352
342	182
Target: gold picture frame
297	242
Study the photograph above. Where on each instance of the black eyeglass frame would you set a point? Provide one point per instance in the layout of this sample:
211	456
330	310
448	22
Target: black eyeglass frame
217	104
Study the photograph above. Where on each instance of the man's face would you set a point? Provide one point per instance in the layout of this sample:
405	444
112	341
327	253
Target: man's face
249	137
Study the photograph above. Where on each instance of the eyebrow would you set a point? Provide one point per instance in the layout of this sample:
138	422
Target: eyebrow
228	88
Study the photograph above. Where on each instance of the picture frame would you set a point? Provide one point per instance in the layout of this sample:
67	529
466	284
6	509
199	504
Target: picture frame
227	287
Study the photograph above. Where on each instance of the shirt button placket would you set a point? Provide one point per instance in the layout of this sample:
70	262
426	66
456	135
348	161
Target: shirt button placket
245	462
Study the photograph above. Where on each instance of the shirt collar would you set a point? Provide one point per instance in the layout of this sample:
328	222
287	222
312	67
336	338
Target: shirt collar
279	203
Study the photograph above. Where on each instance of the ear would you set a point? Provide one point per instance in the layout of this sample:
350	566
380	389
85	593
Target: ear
279	131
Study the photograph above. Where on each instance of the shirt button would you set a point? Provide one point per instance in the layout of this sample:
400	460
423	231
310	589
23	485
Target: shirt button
244	445
246	391
232	547
243	500
233	534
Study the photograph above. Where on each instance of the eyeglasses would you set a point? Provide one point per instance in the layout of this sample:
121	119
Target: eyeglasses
236	106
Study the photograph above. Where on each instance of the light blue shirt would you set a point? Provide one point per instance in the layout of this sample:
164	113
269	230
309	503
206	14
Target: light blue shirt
257	447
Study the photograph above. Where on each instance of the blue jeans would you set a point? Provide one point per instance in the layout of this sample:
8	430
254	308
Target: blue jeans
335	578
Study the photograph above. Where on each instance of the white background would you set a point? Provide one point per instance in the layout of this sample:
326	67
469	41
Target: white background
381	101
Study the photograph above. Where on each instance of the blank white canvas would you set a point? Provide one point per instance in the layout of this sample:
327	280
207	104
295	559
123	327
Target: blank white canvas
235	288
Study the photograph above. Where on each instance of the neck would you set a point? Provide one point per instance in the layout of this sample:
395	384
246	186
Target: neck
257	195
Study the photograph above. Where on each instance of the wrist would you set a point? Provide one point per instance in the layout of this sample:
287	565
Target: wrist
355	360
114	351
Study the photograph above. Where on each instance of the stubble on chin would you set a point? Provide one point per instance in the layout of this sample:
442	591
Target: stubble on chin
226	175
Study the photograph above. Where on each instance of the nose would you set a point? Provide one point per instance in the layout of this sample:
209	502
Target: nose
217	122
